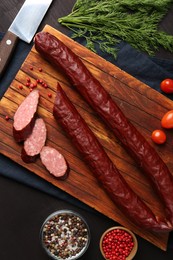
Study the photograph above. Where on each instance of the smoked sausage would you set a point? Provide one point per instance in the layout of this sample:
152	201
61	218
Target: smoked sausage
102	167
90	88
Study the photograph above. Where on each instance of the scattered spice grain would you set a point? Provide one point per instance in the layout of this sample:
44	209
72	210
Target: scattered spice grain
49	95
7	118
20	87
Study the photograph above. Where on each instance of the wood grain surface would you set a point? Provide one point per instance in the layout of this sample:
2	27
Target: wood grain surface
141	104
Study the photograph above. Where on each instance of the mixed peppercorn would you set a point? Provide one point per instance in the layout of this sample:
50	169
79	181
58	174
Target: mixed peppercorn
65	236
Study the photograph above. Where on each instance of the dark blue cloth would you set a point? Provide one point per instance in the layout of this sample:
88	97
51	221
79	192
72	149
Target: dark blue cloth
149	70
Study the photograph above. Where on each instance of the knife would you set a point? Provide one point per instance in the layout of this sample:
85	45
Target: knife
23	27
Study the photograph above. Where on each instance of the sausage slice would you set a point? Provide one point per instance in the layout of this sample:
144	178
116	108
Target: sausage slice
24	117
35	142
54	162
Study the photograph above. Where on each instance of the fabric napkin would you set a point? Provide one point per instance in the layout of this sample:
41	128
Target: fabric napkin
149	70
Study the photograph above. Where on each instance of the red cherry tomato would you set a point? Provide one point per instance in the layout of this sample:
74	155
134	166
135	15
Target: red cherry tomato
167	120
158	136
167	86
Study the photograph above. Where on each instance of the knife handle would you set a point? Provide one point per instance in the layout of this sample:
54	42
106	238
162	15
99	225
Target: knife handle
7	47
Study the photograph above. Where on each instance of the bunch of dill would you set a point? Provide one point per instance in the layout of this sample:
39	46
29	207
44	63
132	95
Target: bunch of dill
107	22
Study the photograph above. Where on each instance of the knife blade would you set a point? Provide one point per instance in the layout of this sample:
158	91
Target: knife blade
23	27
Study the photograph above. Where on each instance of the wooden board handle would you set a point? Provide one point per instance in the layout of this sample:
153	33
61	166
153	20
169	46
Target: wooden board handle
7	47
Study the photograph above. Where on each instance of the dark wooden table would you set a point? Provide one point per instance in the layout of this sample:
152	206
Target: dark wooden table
23	208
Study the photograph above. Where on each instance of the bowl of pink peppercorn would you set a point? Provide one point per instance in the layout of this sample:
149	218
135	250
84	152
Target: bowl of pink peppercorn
118	243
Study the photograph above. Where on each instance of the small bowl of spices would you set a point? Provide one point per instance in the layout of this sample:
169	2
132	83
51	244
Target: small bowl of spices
118	243
65	235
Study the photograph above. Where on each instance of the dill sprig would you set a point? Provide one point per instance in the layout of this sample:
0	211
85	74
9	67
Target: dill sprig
107	22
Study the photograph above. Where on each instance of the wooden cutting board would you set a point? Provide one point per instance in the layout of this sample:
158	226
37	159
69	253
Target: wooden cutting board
141	104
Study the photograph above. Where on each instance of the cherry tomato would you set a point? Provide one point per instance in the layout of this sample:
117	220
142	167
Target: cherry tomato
167	120
158	136
167	86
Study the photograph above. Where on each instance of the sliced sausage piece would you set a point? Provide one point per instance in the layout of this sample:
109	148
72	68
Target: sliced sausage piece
24	117
54	162
35	142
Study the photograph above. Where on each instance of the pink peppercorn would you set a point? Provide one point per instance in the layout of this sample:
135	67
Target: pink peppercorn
45	85
20	87
7	118
117	244
49	95
27	84
40	81
28	79
35	85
